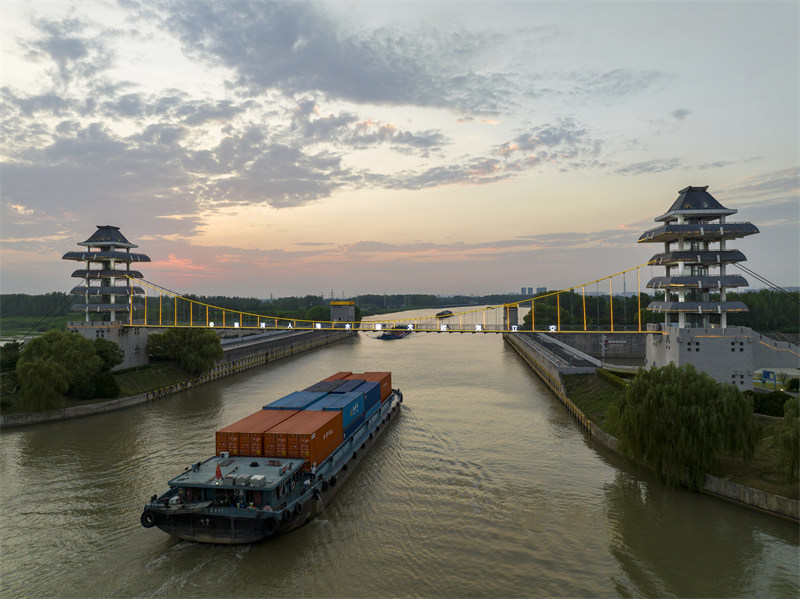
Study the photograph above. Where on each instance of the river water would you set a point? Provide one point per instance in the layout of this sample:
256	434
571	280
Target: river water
482	487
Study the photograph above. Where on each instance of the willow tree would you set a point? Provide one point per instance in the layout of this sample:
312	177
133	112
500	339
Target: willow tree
678	422
787	439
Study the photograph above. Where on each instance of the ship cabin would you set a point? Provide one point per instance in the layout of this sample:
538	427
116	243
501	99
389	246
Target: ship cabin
256	483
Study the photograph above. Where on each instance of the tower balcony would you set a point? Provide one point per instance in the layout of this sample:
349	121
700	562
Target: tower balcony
697	282
711	231
696	307
699	257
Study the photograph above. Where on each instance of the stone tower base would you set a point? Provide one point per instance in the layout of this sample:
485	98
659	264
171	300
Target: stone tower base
131	340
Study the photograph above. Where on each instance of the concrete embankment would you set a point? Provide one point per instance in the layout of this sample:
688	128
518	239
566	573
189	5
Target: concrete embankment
547	366
241	354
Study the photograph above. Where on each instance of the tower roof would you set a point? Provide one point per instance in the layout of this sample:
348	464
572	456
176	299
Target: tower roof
107	236
695	202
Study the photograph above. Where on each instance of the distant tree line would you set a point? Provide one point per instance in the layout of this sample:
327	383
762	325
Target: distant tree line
22	304
768	310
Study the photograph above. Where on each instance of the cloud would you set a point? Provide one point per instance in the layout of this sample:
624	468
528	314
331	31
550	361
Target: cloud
65	42
296	48
681	113
649	167
781	187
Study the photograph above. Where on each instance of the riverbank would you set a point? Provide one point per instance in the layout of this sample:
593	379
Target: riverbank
247	354
588	407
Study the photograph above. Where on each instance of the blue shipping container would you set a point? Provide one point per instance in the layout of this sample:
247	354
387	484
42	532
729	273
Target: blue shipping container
349	385
326	386
350	404
298	400
372	393
353	426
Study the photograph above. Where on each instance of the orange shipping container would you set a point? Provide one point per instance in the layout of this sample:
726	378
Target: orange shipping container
310	435
246	436
384	378
338	376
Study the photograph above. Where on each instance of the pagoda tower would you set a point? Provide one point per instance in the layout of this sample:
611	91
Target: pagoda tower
106	288
696	257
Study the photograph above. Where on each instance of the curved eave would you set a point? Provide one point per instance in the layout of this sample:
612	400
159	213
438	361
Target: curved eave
697	282
82	289
712	231
106	274
702	213
100	256
696	307
708	257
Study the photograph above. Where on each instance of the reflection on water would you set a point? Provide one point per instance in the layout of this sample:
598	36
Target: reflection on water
701	549
483	487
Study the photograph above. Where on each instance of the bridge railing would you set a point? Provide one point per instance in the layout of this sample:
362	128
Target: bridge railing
555	311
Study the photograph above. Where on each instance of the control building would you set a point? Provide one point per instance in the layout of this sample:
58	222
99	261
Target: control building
697	258
107	293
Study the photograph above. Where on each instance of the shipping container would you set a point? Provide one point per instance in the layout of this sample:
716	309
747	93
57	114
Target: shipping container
351	405
308	435
384	378
348	385
245	437
338	376
297	400
353	426
327	386
372	394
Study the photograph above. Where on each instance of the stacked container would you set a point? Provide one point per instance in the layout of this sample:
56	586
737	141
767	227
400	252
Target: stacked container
298	400
246	436
384	378
309	435
351	405
309	424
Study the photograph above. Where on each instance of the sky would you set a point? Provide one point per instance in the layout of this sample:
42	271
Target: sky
263	149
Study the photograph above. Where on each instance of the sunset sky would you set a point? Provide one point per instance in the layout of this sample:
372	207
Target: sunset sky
261	148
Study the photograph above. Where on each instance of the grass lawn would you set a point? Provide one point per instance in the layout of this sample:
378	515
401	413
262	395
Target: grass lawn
151	377
16	326
594	395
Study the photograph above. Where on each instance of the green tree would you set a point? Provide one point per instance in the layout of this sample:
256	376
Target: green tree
43	384
678	422
787	440
196	350
319	313
9	354
87	366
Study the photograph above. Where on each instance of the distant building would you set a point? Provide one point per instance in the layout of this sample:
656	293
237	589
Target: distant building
541	290
343	311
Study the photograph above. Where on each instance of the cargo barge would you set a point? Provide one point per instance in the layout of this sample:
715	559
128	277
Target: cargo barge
278	468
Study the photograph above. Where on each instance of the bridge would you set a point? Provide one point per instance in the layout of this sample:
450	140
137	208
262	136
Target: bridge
564	310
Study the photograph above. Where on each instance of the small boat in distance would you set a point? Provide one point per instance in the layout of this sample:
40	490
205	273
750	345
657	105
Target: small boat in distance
396	332
444	314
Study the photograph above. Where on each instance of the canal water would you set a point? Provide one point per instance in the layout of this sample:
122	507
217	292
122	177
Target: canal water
482	487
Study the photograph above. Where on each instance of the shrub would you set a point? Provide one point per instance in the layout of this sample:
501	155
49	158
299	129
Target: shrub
769	404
